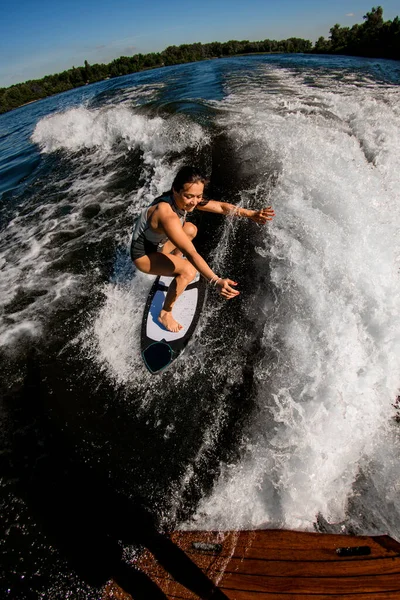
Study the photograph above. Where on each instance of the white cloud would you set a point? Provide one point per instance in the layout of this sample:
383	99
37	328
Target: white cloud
350	15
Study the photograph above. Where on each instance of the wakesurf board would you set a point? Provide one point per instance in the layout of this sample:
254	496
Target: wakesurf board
160	347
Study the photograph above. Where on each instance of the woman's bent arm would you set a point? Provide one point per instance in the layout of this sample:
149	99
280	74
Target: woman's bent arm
224	208
173	228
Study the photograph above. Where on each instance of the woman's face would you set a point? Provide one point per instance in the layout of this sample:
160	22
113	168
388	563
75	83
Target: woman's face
189	197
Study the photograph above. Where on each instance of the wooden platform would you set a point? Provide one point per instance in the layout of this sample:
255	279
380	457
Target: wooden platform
275	564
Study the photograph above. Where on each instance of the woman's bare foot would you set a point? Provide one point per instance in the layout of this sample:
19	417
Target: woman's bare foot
165	317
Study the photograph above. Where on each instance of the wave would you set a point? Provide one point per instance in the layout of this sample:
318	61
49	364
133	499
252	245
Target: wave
84	128
329	318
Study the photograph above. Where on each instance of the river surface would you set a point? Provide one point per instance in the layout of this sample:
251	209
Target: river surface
282	411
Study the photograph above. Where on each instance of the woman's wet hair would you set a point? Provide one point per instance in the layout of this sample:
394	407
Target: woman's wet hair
188	175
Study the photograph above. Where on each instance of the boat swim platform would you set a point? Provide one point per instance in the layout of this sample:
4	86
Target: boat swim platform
279	564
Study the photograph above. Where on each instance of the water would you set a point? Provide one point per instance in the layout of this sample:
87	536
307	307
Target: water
281	412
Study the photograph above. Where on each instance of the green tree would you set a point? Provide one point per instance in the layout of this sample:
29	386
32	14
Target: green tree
323	46
87	72
374	37
339	37
374	19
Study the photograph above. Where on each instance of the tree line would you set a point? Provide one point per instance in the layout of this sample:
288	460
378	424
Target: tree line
374	37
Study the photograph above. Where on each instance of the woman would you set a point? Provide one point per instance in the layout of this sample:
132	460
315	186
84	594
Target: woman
162	235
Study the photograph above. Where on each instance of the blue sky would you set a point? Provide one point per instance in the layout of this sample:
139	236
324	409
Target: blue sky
41	37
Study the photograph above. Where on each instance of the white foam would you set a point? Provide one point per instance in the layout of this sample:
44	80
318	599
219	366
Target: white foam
331	329
114	337
79	128
14	333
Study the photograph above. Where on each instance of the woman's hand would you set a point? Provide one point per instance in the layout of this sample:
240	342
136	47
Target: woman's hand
225	289
263	215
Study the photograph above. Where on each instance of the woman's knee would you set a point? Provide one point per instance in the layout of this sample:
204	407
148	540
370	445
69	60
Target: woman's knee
191	230
188	272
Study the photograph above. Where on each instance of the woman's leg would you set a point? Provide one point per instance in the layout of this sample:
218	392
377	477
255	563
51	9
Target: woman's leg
183	272
191	232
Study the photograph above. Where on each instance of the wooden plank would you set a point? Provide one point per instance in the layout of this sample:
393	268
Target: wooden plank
270	544
310	585
114	592
332	568
250	565
364	567
288	596
283	582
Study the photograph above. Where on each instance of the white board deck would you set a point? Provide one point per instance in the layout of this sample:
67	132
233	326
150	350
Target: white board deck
183	312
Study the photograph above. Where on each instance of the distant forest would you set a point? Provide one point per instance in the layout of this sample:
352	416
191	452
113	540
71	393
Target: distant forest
373	38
